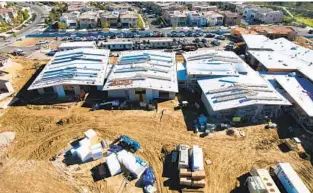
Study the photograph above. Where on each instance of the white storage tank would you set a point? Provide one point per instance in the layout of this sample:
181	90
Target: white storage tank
290	179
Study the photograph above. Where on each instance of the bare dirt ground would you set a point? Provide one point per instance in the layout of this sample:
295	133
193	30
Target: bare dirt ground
25	165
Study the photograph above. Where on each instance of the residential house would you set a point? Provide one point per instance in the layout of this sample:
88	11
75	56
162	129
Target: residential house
7	14
129	19
120	7
80	6
72	72
273	32
263	15
232	6
269	16
196	19
88	20
70	19
170	6
176	18
3	4
231	18
203	8
143	76
109	17
214	18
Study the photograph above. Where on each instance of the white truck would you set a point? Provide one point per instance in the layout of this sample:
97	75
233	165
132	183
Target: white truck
290	179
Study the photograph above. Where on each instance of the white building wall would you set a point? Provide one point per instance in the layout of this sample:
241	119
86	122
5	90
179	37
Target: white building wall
207	105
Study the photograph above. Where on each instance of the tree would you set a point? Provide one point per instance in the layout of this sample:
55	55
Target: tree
25	14
105	25
61	25
140	23
47	21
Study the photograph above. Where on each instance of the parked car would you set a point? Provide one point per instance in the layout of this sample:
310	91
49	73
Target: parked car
310	31
204	40
200	45
210	35
215	43
18	52
220	37
51	53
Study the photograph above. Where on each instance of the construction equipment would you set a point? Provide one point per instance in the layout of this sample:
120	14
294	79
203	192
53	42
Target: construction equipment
127	143
114	103
270	124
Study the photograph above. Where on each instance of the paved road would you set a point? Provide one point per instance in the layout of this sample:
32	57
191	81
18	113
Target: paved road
26	30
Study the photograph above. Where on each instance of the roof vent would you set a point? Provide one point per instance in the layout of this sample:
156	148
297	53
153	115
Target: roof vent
280	61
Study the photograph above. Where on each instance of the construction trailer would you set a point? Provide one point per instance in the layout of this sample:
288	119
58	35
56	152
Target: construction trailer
261	182
116	45
76	45
72	72
143	76
290	179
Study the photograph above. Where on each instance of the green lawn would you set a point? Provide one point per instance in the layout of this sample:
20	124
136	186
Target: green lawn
305	20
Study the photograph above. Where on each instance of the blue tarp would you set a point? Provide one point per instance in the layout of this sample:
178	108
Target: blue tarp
148	177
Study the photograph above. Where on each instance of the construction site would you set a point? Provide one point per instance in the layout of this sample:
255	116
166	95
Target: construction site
34	160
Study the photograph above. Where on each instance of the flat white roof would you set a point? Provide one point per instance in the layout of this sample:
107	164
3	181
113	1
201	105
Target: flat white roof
144	69
74	67
255	41
82	44
300	89
210	62
228	92
293	177
277	60
282	49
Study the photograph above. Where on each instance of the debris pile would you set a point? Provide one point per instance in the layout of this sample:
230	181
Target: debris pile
89	147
